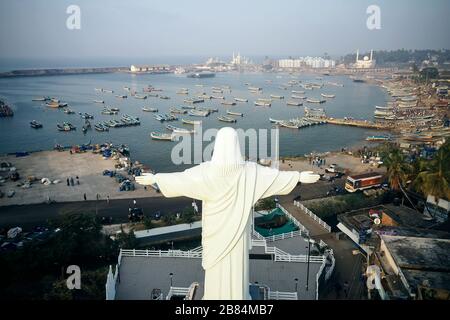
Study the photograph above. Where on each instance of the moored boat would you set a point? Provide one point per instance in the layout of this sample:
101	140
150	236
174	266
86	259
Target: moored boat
192	122
228	103
147	109
226	119
241	100
36	125
328	95
161	136
262	104
276	96
232	113
179	130
294	103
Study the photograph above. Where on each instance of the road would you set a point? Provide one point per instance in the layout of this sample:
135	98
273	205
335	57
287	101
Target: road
27	216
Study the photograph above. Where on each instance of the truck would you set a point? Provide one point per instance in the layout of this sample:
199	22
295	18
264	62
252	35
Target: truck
363	181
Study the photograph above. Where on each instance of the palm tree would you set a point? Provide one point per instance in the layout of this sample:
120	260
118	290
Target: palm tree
434	176
397	169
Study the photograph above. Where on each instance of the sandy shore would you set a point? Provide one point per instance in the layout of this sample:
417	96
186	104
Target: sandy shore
56	165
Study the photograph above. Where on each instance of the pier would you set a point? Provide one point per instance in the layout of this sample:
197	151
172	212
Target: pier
358	123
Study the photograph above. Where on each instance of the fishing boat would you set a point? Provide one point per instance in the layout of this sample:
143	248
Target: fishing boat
218	97
294	96
66	126
315	101
232	113
179	130
177	110
241	100
198	113
297	91
217	91
114	109
100	127
288	124
262	104
378	138
98	89
99	101
275	121
193	101
69	111
126	88
53	104
328	95
254	89
36	125
164	97
154	95
149	109
228	103
192	122
138	96
226	119
183	92
121	96
204	97
41	99
384	108
188	107
276	96
108	91
294	103
161	136
86	115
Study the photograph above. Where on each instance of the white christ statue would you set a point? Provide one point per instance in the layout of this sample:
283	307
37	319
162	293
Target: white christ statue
229	187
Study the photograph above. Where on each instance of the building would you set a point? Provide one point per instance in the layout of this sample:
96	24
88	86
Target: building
286	266
414	267
366	62
306	62
150	68
405	259
238	60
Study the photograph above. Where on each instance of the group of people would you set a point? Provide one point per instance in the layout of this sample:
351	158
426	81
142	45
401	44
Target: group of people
71	181
317	161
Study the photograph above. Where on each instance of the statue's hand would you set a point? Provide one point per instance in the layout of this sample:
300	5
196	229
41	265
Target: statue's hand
146	179
308	177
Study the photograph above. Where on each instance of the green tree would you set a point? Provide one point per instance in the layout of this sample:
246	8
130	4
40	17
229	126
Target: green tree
397	169
433	176
265	204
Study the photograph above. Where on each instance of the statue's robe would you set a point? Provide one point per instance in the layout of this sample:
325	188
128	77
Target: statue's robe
228	194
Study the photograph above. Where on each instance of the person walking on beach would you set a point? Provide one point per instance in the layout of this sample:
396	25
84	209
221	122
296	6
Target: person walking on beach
68	183
71	181
107	199
78	181
84	196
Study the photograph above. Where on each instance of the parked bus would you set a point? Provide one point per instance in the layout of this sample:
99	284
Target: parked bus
363	181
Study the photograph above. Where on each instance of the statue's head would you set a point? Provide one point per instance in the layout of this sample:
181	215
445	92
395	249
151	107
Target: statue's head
227	151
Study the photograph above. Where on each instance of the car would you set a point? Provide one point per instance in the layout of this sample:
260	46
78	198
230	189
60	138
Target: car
333	168
135	214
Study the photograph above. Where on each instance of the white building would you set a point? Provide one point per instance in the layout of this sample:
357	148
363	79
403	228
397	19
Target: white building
311	62
366	62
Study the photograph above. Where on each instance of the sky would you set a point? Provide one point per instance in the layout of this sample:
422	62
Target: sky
36	29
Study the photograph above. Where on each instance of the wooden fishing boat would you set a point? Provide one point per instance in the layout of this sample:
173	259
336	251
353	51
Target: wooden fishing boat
226	119
232	113
179	130
149	109
241	100
192	122
35	125
161	136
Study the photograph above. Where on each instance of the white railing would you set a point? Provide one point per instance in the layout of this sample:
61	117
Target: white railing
282	256
283	236
295	221
279	295
299	258
331	268
177	291
111	281
160	253
319	273
312	215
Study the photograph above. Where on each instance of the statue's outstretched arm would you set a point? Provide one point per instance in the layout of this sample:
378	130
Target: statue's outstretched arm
308	177
146	179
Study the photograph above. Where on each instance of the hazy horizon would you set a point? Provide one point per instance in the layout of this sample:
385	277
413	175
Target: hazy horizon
136	30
